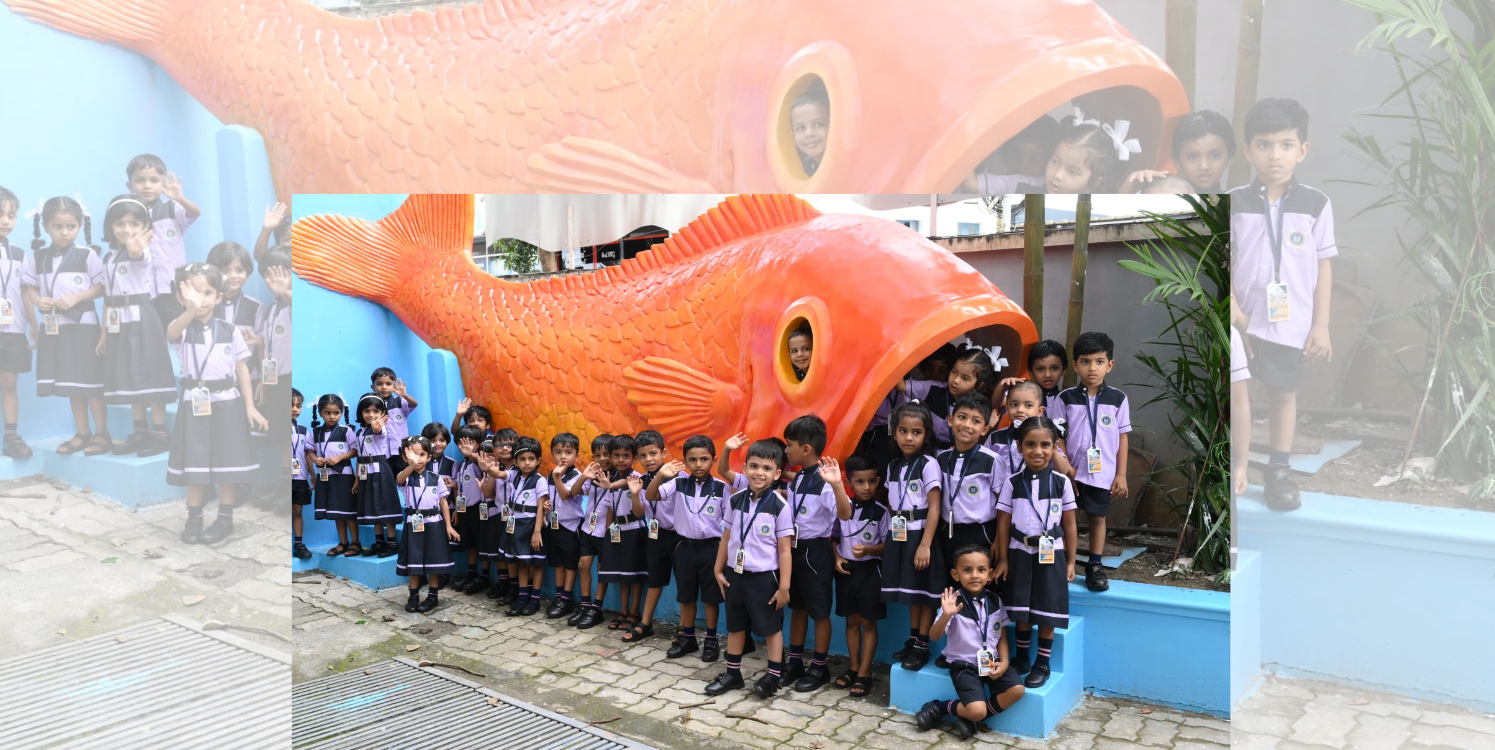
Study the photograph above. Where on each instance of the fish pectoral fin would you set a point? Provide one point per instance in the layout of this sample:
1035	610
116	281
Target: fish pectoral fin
679	400
584	165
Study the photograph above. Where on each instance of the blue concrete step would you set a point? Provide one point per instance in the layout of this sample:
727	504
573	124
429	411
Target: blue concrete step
1040	709
121	418
127	480
372	572
10	468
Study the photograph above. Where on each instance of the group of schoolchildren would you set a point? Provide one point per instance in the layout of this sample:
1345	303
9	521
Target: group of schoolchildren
233	352
970	526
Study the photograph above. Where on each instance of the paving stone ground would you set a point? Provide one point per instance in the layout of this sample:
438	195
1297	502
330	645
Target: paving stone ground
1293	714
593	676
78	564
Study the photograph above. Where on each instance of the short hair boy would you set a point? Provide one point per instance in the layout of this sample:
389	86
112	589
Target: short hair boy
1099	417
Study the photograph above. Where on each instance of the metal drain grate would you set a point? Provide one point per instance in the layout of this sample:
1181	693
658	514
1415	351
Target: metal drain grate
164	684
401	705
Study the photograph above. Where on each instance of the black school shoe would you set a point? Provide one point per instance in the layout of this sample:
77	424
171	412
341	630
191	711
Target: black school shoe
1037	676
902	652
681	646
1019	664
559	608
941	662
917	657
591	619
1095	577
499	592
300	551
517	608
133	443
964	729
710	650
531	606
477	585
374	549
413	602
1281	489
221	529
157	443
577	615
767	685
929	715
724	682
791	674
192	531
390	550
15	447
430	602
814	679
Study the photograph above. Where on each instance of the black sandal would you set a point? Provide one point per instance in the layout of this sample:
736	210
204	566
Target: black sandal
338	550
73	444
100	444
618	623
861	687
638	633
845	680
354	550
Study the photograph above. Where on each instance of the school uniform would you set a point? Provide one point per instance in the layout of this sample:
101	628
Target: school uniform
137	364
978	626
754	524
812	506
378	495
562	544
15	349
909	482
423	551
490	521
334	484
1035	591
859	590
67	362
934	394
300	471
526	494
1009	454
168	248
398	408
211	448
660	539
462	501
623	542
1053	408
1276	248
593	528
971	480
1095	422
274	328
877	439
699	507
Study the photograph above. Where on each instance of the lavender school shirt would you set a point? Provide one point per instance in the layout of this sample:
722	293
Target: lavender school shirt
299	447
525	493
377	444
976	626
755	524
329	441
274	326
970	482
935	395
399	412
168	248
210	351
1098	421
662	509
125	276
59	271
812	503
868	525
568	511
1306	237
909	483
468	478
698	505
422	494
1027	498
12	274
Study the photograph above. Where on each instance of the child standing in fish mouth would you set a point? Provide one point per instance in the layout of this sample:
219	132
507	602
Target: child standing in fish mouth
810	122
913	565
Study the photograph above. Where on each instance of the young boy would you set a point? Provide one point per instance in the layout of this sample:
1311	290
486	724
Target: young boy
972	476
592	532
398	403
816	500
469	413
976	650
859	543
171	215
300	486
753	568
699	503
1283	232
810	122
466	493
15	352
1099	418
660	538
507	588
1024	400
563	512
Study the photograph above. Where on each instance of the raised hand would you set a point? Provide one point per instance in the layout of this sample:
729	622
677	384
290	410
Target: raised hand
830	471
950	603
190	297
274	214
671	470
173	186
737	441
466	446
278	280
400	388
635	484
463	406
136	245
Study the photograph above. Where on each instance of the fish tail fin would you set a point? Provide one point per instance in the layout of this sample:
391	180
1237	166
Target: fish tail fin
371	259
137	24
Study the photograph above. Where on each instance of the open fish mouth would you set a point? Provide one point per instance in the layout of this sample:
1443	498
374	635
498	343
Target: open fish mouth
987	320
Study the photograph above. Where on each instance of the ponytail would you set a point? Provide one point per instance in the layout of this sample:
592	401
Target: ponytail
36	224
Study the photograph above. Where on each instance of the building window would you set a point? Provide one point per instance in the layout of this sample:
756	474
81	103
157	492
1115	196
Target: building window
968	228
910	223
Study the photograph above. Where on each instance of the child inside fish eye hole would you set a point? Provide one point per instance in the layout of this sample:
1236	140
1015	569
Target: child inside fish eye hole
1203	144
1017	166
800	344
810	122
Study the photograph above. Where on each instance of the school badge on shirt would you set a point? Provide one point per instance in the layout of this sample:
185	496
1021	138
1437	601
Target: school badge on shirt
280	329
710	510
972	489
866	536
1296	239
1105	421
124	270
78	279
913	487
170	234
765	529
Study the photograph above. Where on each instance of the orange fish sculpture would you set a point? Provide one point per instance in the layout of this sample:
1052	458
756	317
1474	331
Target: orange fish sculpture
690	336
637	96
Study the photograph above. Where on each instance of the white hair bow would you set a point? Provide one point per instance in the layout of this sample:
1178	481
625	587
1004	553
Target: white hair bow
995	353
1080	119
1125	147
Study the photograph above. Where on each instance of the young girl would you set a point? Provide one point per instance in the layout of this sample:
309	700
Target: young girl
423	546
378	495
526	549
1024	401
61	281
913	569
1085	159
1047	361
1035	525
137	364
274	328
210	441
15	319
397	404
236	307
300	487
623	544
972	370
800	344
467	490
1203	144
591	532
330	455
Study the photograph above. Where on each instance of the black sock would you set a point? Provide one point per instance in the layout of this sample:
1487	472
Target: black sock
913	633
1022	641
950	706
159	429
1094	559
10	428
687	633
226	510
992	709
711	633
922	640
774	668
295	539
1045	646
140	424
796	655
194	512
734	665
415	591
818	659
432	590
1279	457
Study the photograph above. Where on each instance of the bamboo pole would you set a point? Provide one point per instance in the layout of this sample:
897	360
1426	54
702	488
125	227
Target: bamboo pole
1181	31
1247	70
1033	216
1079	260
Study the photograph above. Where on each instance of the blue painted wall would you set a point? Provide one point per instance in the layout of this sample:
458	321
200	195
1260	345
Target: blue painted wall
75	112
1364	572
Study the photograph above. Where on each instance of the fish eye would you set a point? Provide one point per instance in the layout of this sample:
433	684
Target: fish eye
804	314
822	72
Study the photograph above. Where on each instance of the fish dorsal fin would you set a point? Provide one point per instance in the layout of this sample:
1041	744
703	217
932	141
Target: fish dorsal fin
424	24
735	218
371	259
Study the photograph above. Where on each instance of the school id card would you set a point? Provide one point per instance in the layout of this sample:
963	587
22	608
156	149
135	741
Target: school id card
1277	304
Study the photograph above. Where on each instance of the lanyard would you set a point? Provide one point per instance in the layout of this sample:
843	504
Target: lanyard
652	505
1093	415
6	273
1013	449
745	518
417	484
954	493
58	259
903	488
1033	490
327	437
1275	237
983	616
710	486
865	523
800	481
229	309
522	483
202	362
270	328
